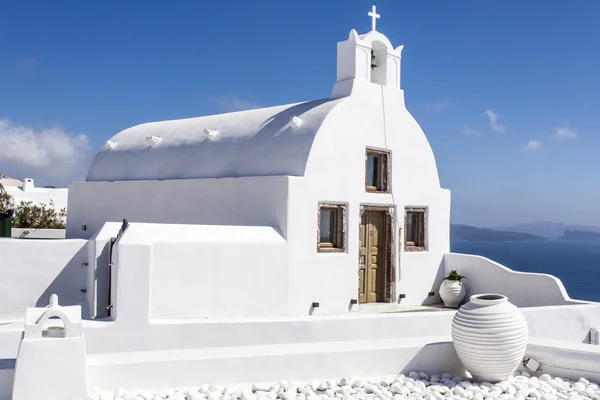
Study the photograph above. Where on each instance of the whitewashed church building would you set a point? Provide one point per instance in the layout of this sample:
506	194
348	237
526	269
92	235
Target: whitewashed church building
334	201
285	243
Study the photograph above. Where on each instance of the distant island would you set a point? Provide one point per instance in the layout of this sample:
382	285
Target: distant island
466	232
580	236
550	230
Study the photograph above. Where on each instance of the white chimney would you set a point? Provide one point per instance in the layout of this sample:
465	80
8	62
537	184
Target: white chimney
28	185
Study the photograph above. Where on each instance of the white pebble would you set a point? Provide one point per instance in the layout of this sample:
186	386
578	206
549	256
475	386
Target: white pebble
129	395
248	395
193	395
369	388
417	386
260	387
549	396
358	384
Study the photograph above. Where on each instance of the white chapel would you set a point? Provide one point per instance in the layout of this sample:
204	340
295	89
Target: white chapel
318	206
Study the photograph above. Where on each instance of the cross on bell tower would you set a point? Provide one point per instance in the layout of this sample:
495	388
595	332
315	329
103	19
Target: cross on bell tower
374	16
365	60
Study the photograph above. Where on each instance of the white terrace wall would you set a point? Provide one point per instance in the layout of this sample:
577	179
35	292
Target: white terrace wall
165	271
32	270
522	289
255	201
39	196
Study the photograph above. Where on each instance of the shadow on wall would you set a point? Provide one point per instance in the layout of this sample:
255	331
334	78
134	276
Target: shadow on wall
70	284
445	358
435	286
274	125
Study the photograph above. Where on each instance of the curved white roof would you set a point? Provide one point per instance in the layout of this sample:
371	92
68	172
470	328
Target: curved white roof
258	142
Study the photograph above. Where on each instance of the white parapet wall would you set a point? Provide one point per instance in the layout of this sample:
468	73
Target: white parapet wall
29	233
200	271
565	359
32	270
135	353
523	289
252	364
39	195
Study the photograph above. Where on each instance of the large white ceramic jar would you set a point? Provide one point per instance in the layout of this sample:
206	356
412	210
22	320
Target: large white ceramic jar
490	337
452	293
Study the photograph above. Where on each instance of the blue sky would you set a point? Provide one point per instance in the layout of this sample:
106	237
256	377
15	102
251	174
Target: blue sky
506	91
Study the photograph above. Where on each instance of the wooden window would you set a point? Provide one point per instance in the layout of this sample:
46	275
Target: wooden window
377	171
331	229
415	229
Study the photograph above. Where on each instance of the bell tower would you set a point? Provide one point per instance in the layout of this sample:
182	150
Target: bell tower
368	58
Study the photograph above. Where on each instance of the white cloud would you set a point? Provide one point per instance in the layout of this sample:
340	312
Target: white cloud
467	131
533	145
49	156
231	103
564	133
496	127
437	106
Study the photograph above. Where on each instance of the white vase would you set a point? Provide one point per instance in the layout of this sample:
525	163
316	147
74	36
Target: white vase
452	293
490	337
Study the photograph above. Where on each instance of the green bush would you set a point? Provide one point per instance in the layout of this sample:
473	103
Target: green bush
28	215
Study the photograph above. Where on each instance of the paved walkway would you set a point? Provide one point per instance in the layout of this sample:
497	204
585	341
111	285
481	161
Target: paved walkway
381	308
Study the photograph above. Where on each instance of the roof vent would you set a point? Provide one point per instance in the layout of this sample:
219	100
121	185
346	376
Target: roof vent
110	144
210	133
153	140
295	122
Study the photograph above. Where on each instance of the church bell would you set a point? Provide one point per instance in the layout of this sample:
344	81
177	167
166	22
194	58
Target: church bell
373	62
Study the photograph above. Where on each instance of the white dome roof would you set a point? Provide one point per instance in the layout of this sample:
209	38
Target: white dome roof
258	142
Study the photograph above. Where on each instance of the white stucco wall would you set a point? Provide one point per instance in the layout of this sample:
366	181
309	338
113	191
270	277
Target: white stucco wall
26	233
522	289
202	271
32	270
98	272
253	201
39	196
373	117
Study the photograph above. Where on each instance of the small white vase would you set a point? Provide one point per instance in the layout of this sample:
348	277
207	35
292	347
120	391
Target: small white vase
452	293
490	337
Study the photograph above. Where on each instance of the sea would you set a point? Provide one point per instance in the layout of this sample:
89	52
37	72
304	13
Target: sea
576	264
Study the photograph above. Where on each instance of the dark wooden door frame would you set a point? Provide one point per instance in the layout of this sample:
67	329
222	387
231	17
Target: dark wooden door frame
390	270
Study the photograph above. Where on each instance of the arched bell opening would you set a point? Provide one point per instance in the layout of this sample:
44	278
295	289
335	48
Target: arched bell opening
379	62
54	327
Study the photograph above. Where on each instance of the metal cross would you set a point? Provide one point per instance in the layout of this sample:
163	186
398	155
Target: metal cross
374	16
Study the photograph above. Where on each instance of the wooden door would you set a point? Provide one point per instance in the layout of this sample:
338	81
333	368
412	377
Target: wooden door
372	257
